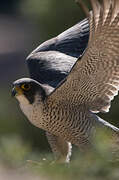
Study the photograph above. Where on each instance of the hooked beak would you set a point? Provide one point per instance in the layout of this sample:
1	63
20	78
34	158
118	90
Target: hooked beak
16	91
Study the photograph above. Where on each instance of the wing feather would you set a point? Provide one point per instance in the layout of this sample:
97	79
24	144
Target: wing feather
94	81
52	60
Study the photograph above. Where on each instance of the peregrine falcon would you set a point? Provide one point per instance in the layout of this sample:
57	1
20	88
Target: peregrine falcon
68	112
51	62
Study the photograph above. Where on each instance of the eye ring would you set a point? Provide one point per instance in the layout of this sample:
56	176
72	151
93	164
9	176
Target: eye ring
26	87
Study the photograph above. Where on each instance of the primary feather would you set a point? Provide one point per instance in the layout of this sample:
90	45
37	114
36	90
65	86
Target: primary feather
94	81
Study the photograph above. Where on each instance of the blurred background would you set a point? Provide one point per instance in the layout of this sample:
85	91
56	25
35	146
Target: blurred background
24	24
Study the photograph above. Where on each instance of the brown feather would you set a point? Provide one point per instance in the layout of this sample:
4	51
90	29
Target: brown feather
115	9
106	8
94	80
96	12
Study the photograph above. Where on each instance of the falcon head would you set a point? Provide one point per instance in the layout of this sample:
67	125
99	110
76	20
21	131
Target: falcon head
26	89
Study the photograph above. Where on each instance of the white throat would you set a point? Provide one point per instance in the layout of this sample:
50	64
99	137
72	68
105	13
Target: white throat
25	106
31	111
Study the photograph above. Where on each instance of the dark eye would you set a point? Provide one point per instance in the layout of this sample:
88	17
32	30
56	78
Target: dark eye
26	87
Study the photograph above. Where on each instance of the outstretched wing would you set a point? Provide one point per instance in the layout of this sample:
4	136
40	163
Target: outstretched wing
72	42
94	80
52	60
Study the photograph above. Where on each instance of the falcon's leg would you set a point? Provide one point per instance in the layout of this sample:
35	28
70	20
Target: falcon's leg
60	148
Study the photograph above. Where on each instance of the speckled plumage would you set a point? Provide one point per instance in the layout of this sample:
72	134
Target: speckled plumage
68	111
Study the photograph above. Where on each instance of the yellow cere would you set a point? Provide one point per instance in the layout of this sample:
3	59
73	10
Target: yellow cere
19	90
